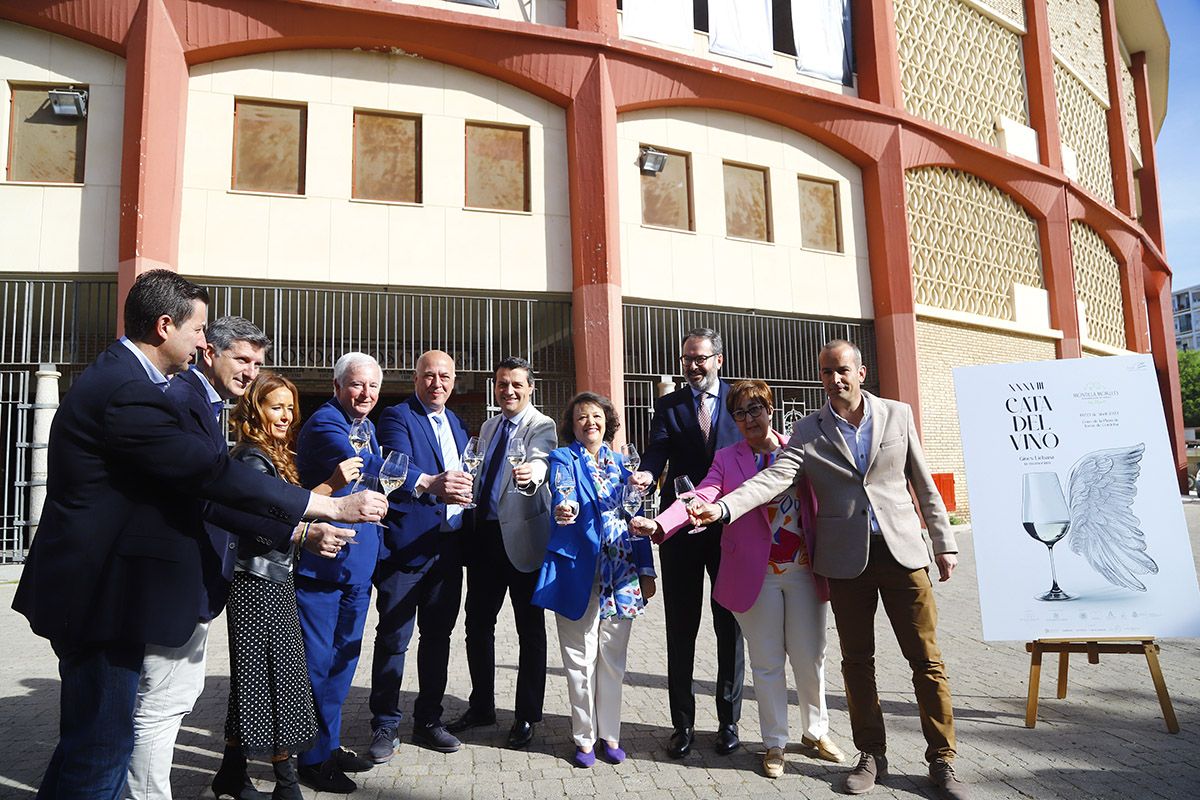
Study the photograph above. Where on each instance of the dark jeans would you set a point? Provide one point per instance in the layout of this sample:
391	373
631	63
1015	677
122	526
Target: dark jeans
95	739
424	596
684	559
490	575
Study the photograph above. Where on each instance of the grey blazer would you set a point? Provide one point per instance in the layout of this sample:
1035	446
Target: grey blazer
843	529
525	515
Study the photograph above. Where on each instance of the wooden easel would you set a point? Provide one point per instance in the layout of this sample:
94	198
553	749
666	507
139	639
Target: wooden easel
1093	648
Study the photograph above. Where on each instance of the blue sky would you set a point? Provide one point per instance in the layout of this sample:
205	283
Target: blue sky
1178	143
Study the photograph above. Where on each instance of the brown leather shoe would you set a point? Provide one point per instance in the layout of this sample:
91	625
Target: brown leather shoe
941	772
871	767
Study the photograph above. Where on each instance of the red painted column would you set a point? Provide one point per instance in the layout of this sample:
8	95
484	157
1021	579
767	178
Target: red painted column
875	50
595	251
1118	134
1039	82
891	276
1054	236
1133	296
1166	364
594	16
1148	177
156	83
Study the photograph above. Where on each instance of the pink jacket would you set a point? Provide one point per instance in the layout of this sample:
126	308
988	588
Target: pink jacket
746	542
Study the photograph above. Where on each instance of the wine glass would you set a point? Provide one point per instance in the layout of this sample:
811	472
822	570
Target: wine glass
1046	518
472	460
360	435
516	456
564	482
632	500
685	491
393	471
370	483
632	457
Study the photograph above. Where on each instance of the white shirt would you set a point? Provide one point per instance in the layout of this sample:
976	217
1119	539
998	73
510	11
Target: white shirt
858	439
450	460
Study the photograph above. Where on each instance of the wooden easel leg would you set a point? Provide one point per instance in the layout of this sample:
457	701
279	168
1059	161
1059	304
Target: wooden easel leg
1063	662
1160	686
1035	676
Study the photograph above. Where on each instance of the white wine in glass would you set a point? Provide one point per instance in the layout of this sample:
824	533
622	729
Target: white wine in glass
370	483
393	471
516	456
1046	518
633	501
565	484
472	460
686	491
632	457
360	435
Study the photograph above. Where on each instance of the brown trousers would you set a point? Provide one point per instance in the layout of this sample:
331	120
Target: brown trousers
908	601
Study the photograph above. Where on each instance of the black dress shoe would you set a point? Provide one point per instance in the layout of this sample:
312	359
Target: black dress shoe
349	761
727	739
435	737
520	734
471	719
681	742
326	777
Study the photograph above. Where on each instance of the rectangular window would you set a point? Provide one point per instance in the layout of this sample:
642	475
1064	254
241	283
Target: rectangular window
43	146
497	167
387	157
667	195
820	217
269	146
747	202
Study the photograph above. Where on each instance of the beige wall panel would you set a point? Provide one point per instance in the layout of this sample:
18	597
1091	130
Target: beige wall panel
942	346
327	236
63	228
707	266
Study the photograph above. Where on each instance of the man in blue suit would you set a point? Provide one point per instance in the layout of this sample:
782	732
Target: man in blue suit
419	577
689	426
333	597
116	563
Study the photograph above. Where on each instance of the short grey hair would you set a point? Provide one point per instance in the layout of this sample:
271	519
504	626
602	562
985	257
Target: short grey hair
351	360
223	332
711	335
838	344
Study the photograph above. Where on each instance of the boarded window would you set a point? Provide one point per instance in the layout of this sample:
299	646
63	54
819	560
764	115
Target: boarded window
497	167
820	220
387	157
747	203
268	147
667	195
43	146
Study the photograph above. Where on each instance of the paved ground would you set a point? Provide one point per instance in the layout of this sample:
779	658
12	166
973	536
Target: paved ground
1105	740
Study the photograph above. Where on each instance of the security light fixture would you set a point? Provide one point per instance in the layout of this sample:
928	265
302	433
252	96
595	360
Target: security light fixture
652	161
69	102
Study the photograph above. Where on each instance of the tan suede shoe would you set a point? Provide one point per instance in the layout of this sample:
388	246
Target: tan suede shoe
826	749
773	762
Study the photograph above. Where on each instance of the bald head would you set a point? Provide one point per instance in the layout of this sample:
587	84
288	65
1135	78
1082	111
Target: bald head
434	379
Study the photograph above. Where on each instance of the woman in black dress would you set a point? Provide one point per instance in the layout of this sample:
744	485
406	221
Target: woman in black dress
271	710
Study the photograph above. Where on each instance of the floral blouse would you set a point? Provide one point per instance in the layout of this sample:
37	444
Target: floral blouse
620	589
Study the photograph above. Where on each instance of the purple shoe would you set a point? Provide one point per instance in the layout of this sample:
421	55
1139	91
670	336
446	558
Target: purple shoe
611	753
584	760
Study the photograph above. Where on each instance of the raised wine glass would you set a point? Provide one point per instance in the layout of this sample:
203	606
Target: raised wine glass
633	500
632	457
564	482
686	491
370	483
360	435
472	460
393	471
1046	518
516	456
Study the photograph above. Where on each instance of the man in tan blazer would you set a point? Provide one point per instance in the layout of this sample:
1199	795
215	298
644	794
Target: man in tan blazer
504	552
861	455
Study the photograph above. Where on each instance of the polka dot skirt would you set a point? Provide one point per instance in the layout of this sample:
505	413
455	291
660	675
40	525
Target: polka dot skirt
270	697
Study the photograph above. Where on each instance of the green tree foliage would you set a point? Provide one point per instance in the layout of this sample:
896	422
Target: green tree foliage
1189	386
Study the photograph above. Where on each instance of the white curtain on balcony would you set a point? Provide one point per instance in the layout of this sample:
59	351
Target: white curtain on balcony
669	22
741	29
823	39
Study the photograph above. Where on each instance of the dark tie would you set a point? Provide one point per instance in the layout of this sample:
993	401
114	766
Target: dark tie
489	479
217	406
703	416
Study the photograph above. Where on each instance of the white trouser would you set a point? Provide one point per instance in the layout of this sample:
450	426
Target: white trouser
171	681
787	621
593	654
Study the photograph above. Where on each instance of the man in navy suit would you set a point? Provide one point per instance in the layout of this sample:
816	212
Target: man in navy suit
172	678
419	577
333	597
116	563
689	426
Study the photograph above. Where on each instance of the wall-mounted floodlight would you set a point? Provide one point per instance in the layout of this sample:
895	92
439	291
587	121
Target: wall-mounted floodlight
70	102
652	161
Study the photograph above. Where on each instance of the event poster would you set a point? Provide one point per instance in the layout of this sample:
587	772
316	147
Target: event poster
1075	510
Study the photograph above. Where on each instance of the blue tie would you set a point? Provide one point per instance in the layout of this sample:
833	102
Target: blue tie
450	460
216	407
489	479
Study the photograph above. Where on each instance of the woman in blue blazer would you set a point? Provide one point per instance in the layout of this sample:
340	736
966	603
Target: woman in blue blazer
596	577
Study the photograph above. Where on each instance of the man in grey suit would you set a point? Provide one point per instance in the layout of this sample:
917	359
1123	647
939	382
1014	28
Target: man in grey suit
505	552
861	455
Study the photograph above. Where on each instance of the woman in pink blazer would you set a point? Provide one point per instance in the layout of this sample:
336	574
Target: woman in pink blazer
766	579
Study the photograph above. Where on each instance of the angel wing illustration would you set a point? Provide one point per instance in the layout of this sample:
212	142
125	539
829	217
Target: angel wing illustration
1104	531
